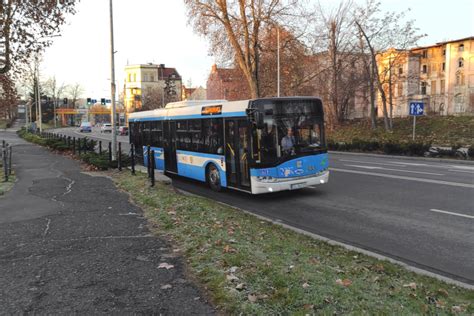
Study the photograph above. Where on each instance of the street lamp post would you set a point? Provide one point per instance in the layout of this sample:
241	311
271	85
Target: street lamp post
112	84
278	62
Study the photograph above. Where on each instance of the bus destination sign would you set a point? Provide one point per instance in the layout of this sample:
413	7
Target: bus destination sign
211	110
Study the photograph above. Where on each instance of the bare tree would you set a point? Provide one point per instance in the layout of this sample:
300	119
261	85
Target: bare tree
75	91
8	97
151	98
382	32
24	23
235	30
336	70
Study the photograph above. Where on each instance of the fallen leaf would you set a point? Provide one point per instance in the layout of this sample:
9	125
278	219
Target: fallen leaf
313	260
240	286
378	267
262	296
305	285
231	278
345	282
457	309
308	306
233	269
166	286
252	298
443	292
440	304
411	285
218	242
166	266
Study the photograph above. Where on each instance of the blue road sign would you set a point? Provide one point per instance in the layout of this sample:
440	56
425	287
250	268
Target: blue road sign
416	108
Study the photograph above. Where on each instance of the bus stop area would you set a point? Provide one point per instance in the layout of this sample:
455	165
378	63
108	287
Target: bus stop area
73	243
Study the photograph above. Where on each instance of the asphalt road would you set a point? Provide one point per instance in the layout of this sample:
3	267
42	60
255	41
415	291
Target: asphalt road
416	211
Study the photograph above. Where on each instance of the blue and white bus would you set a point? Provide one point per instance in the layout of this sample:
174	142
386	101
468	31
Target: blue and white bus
257	146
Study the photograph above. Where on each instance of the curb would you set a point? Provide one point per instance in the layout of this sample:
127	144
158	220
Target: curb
445	160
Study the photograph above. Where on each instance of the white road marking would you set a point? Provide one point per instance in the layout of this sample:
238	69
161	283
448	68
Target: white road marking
384	175
462	167
382	168
451	213
411	164
373	163
463	171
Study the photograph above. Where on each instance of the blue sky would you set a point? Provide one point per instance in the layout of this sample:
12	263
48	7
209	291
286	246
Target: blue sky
157	31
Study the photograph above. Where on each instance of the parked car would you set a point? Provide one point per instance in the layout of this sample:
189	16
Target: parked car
123	131
106	128
85	127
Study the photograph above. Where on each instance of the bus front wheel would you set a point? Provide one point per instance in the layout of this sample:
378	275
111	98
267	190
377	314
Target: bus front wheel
214	177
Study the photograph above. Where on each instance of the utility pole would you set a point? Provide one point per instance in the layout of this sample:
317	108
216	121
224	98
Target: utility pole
39	116
278	61
112	83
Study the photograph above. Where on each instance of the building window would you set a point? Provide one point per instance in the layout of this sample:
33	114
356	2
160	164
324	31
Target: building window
444	67
400	71
145	77
400	89
444	51
423	87
442	86
134	77
461	62
459	79
425	53
461	48
129	77
424	69
152	78
433	87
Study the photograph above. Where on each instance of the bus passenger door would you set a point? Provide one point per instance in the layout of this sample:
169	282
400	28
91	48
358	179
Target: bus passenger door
236	143
169	148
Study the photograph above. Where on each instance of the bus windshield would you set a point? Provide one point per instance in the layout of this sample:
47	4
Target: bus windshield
291	128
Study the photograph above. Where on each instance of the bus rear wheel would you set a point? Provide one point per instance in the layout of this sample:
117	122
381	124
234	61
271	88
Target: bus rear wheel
214	177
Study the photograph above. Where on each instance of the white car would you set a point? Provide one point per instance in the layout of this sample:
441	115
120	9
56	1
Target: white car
106	128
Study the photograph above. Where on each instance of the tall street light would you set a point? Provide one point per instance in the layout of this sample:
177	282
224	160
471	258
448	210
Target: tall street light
112	83
278	61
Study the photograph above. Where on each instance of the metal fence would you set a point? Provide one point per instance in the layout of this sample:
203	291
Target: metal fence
6	160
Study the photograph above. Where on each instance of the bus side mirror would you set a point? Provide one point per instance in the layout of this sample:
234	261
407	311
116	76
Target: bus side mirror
256	117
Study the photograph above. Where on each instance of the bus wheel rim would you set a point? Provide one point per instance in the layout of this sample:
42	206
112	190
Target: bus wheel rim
214	175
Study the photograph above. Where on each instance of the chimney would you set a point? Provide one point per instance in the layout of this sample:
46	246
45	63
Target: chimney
214	68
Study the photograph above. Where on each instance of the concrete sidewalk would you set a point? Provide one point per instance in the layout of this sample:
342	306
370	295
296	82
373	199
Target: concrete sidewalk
72	243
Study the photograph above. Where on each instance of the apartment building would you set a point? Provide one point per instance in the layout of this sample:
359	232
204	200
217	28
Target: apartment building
440	75
150	86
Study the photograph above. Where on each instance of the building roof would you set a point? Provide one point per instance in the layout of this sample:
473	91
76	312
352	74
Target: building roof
163	71
444	43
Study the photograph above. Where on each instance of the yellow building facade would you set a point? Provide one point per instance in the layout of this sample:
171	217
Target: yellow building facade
441	75
150	86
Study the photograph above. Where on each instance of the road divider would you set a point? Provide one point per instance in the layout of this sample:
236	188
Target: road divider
452	213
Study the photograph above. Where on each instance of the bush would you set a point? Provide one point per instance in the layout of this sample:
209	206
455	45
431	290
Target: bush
470	152
393	148
417	149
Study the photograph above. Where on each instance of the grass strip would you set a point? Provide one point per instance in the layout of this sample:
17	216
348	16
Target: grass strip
254	267
6	186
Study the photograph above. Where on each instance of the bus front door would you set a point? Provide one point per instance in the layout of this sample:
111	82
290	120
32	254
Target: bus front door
169	130
236	148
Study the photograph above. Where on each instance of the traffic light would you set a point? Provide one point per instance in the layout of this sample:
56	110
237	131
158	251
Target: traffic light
89	101
102	101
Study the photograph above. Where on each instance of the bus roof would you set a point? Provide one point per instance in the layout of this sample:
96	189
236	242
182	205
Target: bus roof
193	109
202	109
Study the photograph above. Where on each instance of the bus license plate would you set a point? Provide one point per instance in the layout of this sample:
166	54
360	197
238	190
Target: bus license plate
298	185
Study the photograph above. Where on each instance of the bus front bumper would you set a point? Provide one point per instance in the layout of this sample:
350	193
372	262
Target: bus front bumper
259	187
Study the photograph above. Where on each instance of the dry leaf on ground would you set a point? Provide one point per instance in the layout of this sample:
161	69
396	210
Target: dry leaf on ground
166	266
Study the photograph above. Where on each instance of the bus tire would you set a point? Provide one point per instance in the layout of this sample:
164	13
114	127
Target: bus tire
213	177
